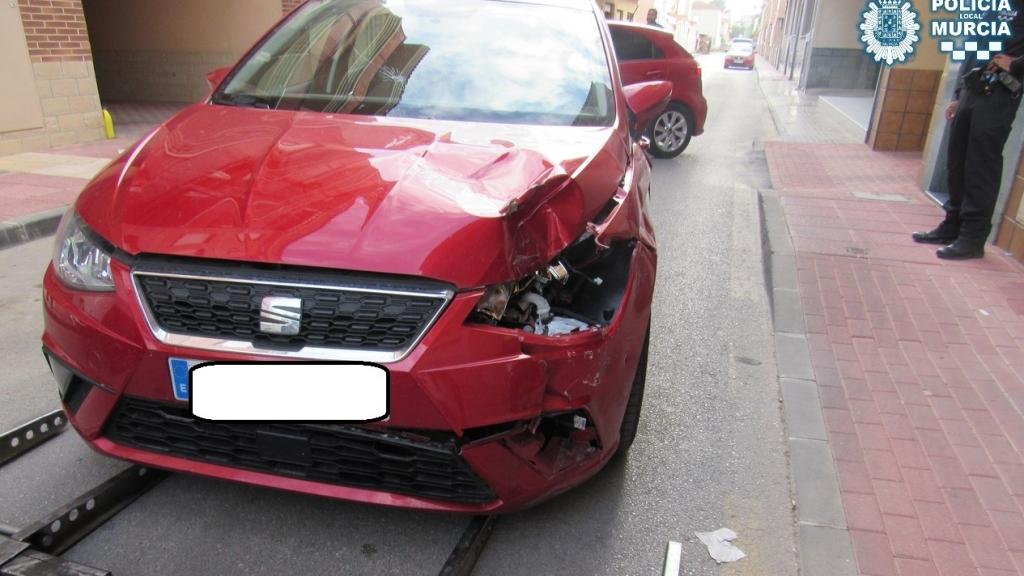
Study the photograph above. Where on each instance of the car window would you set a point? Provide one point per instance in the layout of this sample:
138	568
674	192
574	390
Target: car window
631	45
486	61
742	47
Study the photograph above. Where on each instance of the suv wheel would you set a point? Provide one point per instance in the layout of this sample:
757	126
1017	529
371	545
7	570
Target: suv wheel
671	133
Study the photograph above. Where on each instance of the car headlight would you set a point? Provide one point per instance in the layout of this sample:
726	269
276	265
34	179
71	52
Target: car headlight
81	259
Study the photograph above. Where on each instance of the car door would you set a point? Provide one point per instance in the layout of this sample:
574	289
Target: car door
640	60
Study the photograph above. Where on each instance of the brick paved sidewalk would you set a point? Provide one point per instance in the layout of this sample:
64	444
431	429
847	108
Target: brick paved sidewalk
919	364
35	182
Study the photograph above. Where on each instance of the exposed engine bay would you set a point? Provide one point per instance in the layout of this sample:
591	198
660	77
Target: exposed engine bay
579	291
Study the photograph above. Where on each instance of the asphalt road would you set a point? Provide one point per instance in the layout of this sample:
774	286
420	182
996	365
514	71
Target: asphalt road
710	452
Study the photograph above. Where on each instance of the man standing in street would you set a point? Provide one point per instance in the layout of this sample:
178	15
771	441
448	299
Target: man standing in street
652	18
982	116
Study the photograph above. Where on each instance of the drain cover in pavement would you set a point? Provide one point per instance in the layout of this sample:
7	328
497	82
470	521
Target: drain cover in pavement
881	197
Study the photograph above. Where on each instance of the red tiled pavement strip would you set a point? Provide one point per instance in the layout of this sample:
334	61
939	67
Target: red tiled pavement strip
919	364
23	194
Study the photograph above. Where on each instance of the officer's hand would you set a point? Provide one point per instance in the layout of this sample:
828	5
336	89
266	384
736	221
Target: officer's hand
1003	62
952	109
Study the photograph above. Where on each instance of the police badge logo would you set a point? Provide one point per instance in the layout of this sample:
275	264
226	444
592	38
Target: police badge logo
890	30
972	27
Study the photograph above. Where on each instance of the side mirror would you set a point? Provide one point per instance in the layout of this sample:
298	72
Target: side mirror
217	76
647	100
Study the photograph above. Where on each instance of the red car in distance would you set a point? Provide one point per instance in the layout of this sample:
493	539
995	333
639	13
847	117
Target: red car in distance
376	182
648	53
741	54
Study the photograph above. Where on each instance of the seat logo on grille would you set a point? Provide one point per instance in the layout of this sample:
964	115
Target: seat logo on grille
279	315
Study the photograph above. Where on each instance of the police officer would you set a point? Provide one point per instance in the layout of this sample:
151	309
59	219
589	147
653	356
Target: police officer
982	115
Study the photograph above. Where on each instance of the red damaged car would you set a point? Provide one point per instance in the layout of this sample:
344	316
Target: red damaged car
456	191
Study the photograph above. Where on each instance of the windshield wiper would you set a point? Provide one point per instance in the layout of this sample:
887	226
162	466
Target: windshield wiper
246	100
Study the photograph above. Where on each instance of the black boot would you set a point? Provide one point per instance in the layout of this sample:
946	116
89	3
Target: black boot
962	249
946	233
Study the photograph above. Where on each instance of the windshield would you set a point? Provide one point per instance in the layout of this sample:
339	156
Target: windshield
481	61
742	48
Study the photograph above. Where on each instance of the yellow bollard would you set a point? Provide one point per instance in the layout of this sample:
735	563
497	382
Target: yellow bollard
108	125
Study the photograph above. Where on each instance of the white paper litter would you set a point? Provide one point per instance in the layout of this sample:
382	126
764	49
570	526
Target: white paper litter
673	559
720	546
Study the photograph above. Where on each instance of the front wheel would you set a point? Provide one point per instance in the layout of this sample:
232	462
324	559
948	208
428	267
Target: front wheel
631	419
671	132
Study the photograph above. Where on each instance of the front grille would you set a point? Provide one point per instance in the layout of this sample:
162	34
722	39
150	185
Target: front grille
338	318
332	454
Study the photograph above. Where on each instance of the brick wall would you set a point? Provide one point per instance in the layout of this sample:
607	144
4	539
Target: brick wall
58	45
55	30
289	5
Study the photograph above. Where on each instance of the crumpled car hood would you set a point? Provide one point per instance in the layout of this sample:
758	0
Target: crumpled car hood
469	204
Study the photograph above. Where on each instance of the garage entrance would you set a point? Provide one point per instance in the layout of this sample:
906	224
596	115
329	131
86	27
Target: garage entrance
151	56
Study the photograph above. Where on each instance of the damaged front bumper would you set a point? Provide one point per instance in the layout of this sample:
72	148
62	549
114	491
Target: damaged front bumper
508	417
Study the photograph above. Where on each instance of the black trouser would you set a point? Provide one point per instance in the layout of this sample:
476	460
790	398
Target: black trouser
978	135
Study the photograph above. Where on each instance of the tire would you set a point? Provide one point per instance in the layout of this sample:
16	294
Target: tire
674	141
631	419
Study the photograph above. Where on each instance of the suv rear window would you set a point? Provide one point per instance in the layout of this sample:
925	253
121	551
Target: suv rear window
481	61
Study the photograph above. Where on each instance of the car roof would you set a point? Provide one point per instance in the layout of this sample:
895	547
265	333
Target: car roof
587	5
635	26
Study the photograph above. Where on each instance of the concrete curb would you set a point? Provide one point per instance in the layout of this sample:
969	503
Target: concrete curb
29	228
825	547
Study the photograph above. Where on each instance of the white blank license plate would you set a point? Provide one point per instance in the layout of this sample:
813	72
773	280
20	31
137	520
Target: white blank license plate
289	392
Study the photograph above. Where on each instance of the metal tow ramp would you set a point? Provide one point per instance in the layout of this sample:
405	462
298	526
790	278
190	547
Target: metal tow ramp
28	436
35	550
67	525
464	557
